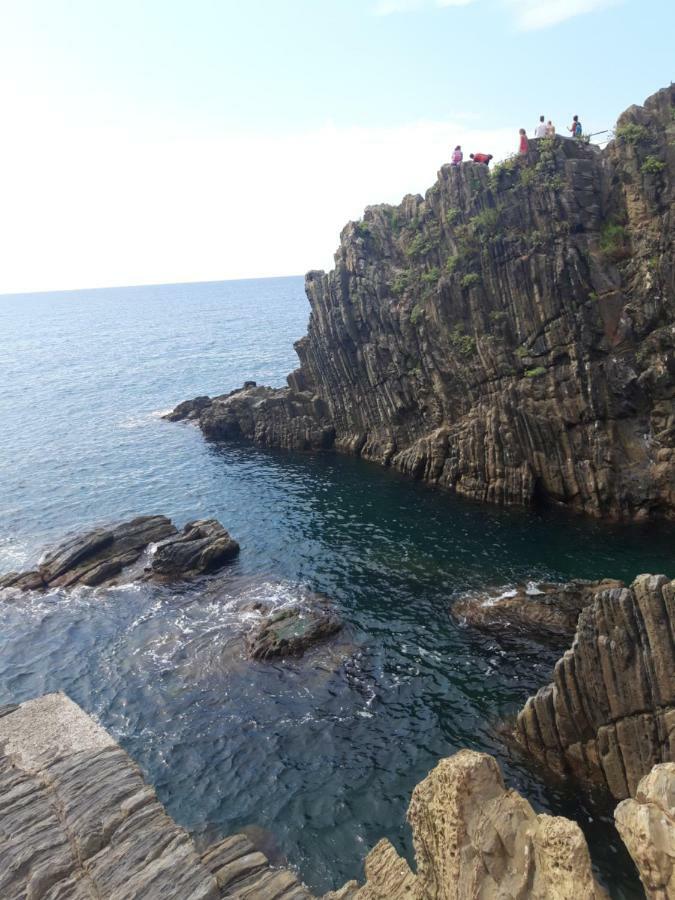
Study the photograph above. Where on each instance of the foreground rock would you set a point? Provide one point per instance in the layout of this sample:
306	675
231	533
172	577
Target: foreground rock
609	714
536	610
473	839
77	822
291	632
647	827
100	556
510	335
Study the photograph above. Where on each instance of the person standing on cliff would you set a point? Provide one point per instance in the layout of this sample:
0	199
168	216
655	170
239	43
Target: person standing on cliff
576	128
524	143
457	156
483	158
540	130
550	129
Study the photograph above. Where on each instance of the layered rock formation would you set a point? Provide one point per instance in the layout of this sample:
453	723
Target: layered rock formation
77	822
537	610
647	827
509	335
100	556
473	839
609	713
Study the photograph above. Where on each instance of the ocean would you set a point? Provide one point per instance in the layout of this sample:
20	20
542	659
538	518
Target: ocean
318	755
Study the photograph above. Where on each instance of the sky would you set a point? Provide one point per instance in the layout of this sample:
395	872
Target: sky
156	141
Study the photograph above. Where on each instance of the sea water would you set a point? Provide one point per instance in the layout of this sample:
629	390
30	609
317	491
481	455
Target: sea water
321	753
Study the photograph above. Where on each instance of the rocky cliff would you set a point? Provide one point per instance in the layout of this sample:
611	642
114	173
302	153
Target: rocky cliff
609	713
510	335
647	827
475	839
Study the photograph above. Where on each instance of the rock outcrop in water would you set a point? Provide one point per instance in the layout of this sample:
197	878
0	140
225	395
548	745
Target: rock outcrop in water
537	610
473	838
291	632
510	335
647	827
100	556
77	822
609	713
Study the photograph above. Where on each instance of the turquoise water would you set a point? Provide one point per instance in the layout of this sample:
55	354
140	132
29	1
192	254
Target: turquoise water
322	753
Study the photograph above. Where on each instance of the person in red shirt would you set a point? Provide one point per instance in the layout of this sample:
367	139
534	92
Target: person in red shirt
483	158
524	144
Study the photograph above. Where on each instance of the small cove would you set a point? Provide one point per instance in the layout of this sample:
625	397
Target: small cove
323	753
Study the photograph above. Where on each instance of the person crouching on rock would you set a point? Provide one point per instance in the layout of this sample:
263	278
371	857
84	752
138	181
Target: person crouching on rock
457	156
483	158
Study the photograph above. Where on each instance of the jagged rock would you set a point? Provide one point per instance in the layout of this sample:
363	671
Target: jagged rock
647	827
476	840
609	714
190	409
77	822
100	556
535	610
291	632
272	417
202	547
508	336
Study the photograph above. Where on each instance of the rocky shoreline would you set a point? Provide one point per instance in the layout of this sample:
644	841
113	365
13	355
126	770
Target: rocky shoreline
79	822
508	336
608	716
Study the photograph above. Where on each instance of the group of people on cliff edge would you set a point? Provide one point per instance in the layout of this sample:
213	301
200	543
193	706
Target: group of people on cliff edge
543	129
546	130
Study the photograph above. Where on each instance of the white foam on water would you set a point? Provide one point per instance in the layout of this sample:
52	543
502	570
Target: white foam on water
532	589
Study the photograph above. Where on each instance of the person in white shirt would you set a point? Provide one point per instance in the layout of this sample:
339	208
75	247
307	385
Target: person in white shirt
540	130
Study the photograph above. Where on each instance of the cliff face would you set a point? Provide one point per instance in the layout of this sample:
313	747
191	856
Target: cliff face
609	713
510	335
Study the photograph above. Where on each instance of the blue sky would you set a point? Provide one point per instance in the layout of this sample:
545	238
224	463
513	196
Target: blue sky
156	141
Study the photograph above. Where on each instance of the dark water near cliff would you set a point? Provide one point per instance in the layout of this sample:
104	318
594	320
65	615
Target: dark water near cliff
323	753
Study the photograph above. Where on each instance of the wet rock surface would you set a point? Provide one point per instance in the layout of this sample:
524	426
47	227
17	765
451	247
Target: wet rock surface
608	716
203	546
647	827
291	632
537	610
78	821
508	336
98	557
474	838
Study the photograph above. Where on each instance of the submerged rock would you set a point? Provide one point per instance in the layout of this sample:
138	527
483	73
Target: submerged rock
98	557
291	632
539	610
647	828
510	335
609	713
473	838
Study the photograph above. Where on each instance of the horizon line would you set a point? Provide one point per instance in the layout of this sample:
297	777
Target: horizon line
144	284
